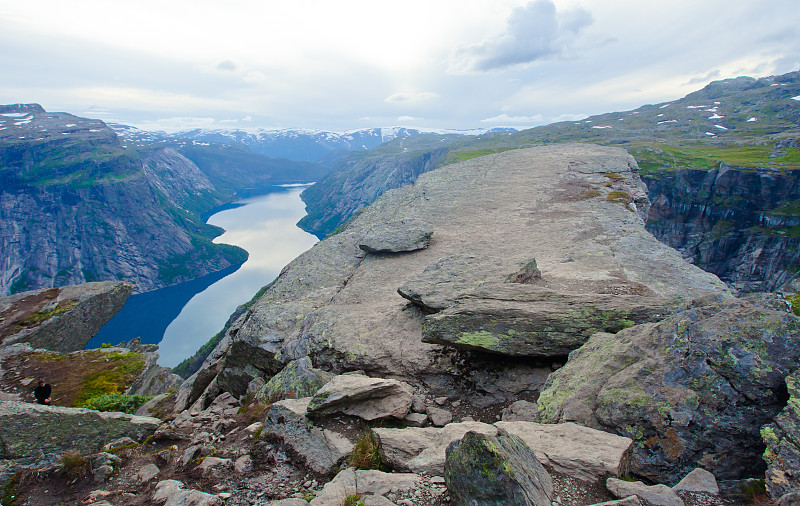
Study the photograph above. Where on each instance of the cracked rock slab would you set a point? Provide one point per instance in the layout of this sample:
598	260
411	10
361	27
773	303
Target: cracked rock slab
362	396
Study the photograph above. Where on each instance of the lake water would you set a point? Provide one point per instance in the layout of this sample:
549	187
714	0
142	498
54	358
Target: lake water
183	317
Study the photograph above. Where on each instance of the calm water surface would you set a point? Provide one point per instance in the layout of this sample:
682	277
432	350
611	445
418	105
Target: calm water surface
262	225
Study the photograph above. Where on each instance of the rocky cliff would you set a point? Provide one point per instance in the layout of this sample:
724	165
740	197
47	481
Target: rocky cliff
77	206
60	319
740	224
531	252
358	179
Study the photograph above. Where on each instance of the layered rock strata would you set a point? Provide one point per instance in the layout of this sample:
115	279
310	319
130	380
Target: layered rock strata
577	210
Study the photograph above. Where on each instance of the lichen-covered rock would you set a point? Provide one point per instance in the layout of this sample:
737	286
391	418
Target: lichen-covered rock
397	237
298	379
31	434
692	390
362	396
782	438
528	321
496	470
60	319
287	421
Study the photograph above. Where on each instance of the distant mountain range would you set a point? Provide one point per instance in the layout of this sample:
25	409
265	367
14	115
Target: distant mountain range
297	144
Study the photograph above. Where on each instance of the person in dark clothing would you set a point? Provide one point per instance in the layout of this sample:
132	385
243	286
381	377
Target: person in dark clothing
42	393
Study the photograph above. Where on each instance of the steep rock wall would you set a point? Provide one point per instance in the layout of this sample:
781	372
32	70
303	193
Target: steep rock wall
741	225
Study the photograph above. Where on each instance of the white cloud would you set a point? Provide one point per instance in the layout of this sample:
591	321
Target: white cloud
406	118
534	32
414	97
505	118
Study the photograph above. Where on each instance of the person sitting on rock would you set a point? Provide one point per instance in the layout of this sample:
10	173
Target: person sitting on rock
42	392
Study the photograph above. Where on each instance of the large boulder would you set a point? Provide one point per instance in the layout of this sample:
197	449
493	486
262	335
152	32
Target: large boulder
577	209
321	450
692	390
397	237
298	379
423	450
362	396
782	438
35	435
496	470
580	452
60	319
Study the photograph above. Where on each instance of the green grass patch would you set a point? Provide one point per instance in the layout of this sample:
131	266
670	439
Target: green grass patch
125	368
619	196
461	156
366	453
42	316
117	402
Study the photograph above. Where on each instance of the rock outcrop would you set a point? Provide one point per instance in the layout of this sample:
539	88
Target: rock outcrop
34	435
576	209
692	390
60	319
782	438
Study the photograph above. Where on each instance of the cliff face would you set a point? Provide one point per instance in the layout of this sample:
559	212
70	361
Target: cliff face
78	206
357	180
741	225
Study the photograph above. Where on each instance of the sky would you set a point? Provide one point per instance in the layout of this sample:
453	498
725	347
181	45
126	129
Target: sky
349	64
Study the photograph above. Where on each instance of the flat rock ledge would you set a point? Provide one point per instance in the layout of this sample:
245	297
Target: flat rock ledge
60	319
35	435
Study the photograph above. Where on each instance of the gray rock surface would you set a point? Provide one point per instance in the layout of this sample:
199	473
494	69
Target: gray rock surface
397	237
439	417
287	421
580	452
60	319
485	470
654	495
339	306
520	411
362	396
298	379
31	434
670	386
422	450
698	480
628	501
147	473
364	482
